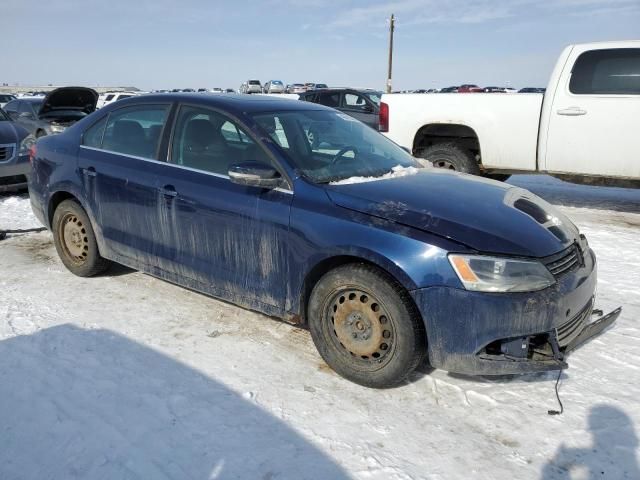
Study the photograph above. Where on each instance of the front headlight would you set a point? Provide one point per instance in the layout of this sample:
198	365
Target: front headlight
57	128
495	274
26	144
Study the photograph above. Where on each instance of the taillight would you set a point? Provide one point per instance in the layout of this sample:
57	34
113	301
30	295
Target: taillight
32	154
383	118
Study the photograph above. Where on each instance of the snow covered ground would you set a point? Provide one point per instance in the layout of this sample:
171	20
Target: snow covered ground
125	376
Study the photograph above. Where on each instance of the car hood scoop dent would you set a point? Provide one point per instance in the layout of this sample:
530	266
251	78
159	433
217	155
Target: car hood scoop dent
485	215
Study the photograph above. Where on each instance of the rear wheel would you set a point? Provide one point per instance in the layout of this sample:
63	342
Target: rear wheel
451	156
365	326
75	240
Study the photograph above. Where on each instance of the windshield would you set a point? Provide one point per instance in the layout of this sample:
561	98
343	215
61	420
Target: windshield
6	98
328	146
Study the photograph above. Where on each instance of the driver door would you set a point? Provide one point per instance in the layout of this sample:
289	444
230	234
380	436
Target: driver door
231	240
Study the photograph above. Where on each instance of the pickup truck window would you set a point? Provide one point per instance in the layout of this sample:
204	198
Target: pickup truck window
614	71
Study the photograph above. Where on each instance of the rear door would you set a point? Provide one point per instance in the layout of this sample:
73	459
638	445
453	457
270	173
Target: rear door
593	126
120	161
231	239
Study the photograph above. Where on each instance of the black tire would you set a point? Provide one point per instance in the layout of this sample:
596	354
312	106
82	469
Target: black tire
75	241
365	326
41	133
451	156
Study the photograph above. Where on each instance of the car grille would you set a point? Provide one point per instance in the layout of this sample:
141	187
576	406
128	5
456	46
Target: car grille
6	152
571	329
563	262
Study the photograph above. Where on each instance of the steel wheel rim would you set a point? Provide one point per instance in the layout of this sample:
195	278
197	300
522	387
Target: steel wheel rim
360	326
74	240
443	164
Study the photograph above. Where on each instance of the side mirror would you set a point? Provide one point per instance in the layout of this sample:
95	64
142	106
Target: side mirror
255	174
367	108
25	116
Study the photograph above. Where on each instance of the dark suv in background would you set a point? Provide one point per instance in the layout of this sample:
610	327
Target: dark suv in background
361	104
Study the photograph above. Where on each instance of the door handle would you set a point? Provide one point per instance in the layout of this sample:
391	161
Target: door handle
89	172
169	191
572	112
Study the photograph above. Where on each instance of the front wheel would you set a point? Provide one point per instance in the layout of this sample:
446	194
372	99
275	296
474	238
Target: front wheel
75	240
365	326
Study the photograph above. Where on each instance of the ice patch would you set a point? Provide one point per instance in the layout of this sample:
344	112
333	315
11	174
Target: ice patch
397	171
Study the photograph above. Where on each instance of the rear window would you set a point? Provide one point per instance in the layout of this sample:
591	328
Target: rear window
254	82
135	130
613	71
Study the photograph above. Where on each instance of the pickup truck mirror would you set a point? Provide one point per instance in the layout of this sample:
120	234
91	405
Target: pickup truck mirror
255	174
368	108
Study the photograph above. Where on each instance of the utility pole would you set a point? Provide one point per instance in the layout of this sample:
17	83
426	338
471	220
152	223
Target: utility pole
391	28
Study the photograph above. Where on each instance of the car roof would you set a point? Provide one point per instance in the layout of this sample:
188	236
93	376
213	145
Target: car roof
234	103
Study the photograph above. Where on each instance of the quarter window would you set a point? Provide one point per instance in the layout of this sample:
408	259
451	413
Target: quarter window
607	72
354	102
93	135
135	130
209	141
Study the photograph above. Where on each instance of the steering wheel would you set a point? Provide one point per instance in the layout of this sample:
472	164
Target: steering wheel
342	151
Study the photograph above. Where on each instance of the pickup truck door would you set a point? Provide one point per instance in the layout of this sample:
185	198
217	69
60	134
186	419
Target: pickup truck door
593	124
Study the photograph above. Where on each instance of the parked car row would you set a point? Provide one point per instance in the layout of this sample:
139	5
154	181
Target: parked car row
277	86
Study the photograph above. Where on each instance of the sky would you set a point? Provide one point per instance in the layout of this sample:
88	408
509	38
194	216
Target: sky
154	44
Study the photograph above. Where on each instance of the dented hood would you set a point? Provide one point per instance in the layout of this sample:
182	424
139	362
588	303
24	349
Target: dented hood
482	214
70	98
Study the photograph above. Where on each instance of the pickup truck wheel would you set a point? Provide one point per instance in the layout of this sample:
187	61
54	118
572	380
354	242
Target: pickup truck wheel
75	241
451	156
365	326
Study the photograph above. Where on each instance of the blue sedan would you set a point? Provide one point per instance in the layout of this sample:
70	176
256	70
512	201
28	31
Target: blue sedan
303	213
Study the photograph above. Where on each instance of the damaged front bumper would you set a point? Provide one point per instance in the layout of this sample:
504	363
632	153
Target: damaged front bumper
478	333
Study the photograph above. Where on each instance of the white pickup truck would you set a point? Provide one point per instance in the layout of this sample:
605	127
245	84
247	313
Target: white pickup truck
585	128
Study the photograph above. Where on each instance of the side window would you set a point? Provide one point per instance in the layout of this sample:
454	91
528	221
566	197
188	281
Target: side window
109	97
209	141
92	136
353	101
25	108
607	72
330	99
135	130
11	107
